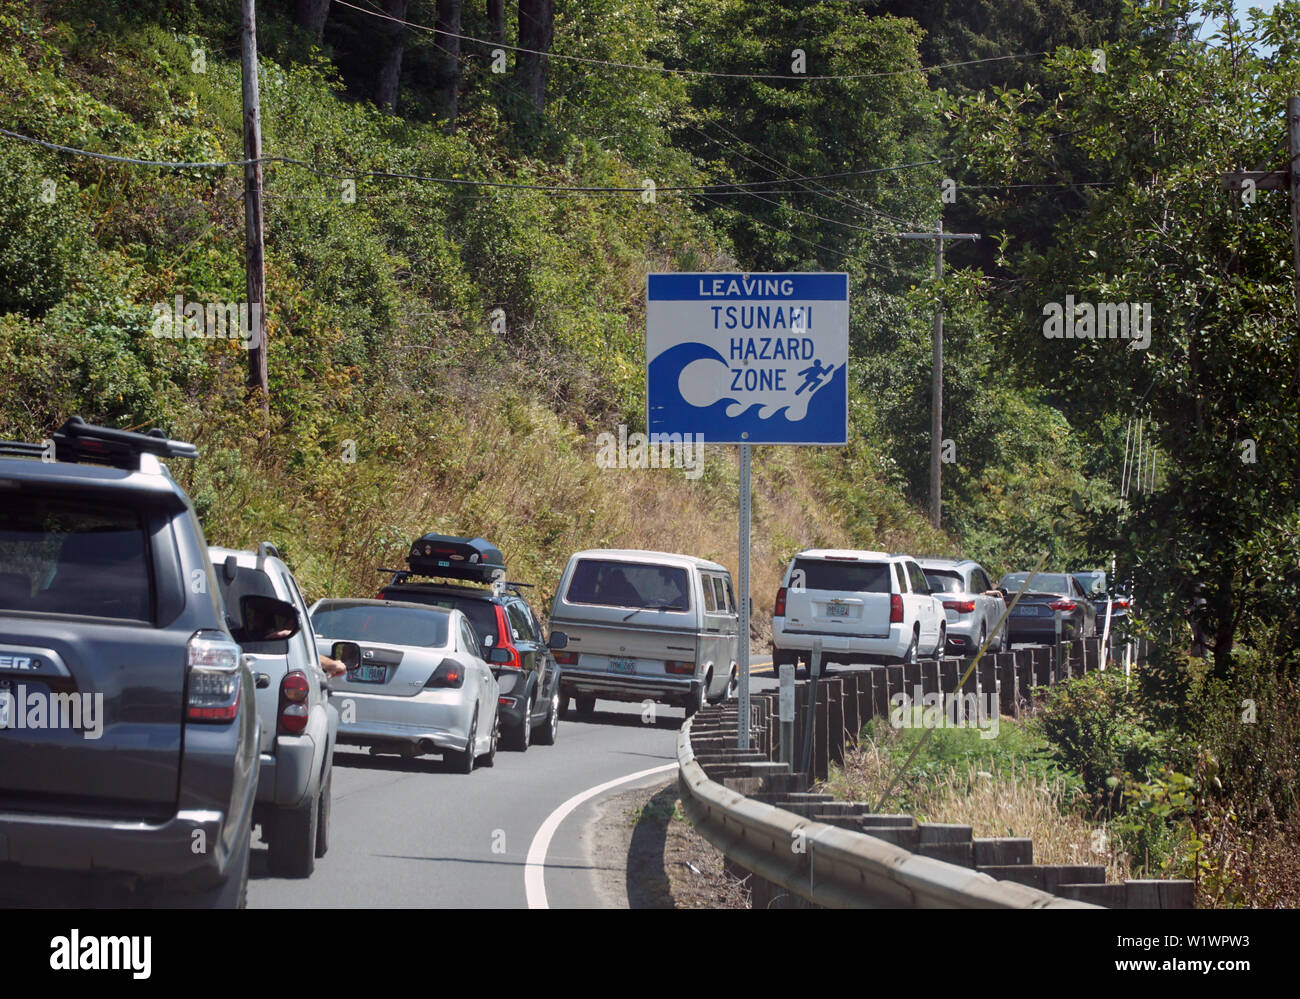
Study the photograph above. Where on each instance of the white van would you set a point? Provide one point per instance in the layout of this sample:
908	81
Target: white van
644	625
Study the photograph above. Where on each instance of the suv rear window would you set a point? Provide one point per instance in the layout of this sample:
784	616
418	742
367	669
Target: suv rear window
67	556
247	582
629	584
850	577
381	623
944	582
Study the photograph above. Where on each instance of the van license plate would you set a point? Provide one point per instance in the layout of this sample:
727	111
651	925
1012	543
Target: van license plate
370	674
622	666
837	610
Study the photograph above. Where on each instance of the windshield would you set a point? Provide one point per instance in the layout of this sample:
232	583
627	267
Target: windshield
849	577
382	623
1044	582
629	584
944	582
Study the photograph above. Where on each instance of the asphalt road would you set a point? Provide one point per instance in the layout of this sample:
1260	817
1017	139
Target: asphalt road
407	833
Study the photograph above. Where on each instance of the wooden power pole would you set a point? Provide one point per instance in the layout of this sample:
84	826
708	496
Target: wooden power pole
936	371
254	253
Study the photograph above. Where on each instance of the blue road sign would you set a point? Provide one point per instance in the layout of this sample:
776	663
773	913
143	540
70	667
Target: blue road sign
748	358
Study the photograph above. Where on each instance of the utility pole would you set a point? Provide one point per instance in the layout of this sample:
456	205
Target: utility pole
936	372
1281	180
254	253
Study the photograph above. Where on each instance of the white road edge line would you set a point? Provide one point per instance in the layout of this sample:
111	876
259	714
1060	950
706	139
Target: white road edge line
535	864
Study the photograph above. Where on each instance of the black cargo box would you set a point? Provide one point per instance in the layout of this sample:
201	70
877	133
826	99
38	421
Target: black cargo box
474	559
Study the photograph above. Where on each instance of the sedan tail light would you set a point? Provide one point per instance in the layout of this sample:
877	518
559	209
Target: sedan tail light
212	663
1063	605
448	674
294	691
779	609
1121	604
895	609
960	606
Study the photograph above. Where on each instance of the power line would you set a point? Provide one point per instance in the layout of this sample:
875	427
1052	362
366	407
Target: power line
461	181
825	192
686	72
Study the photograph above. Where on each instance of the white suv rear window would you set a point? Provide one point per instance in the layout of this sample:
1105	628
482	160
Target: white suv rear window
850	577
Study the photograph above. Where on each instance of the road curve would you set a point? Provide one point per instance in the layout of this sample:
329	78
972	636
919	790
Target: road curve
409	834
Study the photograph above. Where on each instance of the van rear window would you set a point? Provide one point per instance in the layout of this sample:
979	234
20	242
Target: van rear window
851	577
629	584
68	556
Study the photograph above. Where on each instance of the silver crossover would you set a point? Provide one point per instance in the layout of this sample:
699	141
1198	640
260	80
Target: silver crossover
416	680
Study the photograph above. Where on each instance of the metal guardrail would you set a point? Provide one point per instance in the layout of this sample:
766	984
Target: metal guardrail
835	867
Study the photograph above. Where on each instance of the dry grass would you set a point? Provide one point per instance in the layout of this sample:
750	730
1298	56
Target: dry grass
527	479
992	803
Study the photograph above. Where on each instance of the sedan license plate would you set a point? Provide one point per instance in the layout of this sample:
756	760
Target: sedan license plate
370	674
622	665
1029	610
837	610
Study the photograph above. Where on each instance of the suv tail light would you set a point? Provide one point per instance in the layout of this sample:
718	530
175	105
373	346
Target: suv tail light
679	667
1062	605
212	663
566	658
960	606
895	609
1121	604
294	691
779	609
503	640
449	674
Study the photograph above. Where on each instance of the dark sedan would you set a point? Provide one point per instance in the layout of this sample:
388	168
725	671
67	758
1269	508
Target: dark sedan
1050	597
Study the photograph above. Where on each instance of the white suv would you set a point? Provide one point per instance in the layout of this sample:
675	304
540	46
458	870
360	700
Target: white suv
863	606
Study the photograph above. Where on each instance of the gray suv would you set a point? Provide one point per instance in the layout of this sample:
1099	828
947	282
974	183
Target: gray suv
299	725
128	726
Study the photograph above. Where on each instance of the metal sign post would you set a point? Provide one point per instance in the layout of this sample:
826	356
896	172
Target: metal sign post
742	645
747	359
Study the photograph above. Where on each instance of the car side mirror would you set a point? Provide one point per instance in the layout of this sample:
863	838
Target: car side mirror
558	640
266	619
499	657
348	653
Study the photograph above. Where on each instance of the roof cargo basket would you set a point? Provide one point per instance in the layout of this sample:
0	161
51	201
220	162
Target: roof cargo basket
474	559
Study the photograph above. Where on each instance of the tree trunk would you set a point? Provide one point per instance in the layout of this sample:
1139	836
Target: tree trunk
496	10
448	64
310	15
536	32
393	37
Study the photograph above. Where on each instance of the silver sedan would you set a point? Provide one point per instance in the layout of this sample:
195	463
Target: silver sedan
416	681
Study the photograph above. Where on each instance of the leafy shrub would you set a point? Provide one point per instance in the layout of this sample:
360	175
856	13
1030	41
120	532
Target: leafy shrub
1096	728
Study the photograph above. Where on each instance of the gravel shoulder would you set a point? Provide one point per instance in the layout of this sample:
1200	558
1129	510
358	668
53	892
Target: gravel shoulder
668	864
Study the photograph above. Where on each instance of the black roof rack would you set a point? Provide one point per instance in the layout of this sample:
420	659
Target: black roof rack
79	441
